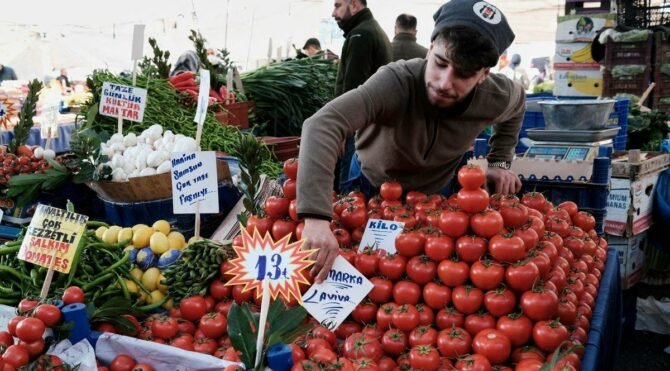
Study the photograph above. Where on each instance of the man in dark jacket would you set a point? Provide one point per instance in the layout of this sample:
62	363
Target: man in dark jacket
7	73
365	49
404	43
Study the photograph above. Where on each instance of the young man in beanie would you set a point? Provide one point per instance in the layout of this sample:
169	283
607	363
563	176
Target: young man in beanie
415	120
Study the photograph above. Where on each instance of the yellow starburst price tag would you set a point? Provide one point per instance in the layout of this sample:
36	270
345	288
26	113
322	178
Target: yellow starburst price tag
279	264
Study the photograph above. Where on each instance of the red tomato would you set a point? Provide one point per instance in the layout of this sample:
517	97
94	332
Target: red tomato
262	224
205	346
194	307
470	248
454	223
410	244
347	328
449	317
472	201
238	295
514	215
390	191
500	302
516	327
366	262
528	235
49	362
365	312
385	364
164	327
557	225
321	332
49	314
382	289
73	294
323	356
357	346
30	329
471	177
413	197
406	317
406	292
364	364
487	223
372	331
143	367
6	339
486	274
454	342
421	269
467	299
16	355
548	335
567	312
183	342
476	322
529	365
281	228
354	217
570	207
35	348
473	362
537	224
541	261
392	266
219	290
439	248
394	342
522	275
539	304
426	315
527	352
385	315
276	207
507	248
436	295
122	362
343	237
584	220
291	168
213	325
453	272
26	305
424	357
492	344
423	335
289	188
534	200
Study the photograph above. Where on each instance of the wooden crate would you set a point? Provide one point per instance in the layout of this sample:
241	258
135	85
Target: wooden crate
636	84
618	53
650	162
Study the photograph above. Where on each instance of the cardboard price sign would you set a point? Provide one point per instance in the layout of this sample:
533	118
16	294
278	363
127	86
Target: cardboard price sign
381	234
279	264
122	101
194	180
332	300
53	230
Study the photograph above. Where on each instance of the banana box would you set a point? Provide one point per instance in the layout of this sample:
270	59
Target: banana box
570	53
582	27
578	82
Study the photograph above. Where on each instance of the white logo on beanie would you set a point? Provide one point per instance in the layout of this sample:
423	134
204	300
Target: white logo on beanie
487	12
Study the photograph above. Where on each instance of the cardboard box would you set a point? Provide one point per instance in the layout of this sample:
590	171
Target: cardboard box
582	27
577	82
578	53
146	188
631	257
629	205
650	162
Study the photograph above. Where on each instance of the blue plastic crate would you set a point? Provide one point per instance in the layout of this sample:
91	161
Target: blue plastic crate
620	143
586	195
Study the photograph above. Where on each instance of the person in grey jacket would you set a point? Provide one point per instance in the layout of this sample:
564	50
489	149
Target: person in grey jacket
7	73
404	43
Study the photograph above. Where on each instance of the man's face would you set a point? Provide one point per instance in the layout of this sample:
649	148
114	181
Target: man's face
446	83
311	50
342	10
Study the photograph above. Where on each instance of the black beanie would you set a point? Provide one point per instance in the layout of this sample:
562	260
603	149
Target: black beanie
478	15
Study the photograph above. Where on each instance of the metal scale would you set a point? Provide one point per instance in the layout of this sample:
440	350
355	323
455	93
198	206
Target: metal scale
575	132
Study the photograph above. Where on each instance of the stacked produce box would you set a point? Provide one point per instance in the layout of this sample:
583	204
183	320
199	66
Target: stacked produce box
628	67
662	71
577	74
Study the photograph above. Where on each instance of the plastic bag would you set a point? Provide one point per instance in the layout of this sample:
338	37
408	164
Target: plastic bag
653	315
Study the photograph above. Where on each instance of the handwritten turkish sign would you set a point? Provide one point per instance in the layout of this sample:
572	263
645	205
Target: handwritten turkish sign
127	102
280	262
194	180
331	301
381	234
52	229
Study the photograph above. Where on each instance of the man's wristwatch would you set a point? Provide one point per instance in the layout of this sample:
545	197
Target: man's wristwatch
501	164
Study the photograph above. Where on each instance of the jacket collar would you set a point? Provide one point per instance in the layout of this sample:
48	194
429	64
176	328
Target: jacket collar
355	20
404	36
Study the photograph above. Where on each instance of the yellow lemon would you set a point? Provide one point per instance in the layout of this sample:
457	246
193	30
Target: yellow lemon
132	287
161	226
150	277
168	304
100	231
176	240
137	273
125	234
141	236
111	234
143	297
138	226
160	285
159	243
155	297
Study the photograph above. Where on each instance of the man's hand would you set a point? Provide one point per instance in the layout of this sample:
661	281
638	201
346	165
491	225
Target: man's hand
506	181
318	235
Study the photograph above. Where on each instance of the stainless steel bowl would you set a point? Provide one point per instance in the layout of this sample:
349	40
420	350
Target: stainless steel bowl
580	114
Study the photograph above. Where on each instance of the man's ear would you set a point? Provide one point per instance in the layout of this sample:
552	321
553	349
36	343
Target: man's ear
485	75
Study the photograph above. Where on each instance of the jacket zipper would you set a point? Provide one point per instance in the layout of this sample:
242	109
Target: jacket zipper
432	141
